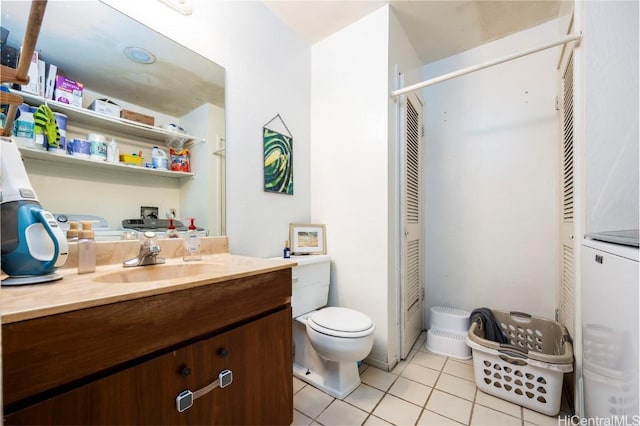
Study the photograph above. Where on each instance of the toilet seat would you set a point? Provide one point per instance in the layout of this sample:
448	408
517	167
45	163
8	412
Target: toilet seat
341	322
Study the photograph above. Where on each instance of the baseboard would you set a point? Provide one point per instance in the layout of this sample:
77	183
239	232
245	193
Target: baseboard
383	365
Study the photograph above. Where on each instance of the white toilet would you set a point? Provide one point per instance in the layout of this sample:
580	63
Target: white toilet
328	341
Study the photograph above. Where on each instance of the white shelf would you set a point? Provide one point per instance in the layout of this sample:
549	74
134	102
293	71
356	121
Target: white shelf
98	120
40	154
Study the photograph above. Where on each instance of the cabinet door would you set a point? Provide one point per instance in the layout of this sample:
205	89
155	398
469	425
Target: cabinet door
610	358
259	354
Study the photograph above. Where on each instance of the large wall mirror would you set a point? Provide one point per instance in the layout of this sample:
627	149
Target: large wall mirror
88	41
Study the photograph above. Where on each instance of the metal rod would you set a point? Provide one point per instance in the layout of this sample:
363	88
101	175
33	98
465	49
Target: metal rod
454	74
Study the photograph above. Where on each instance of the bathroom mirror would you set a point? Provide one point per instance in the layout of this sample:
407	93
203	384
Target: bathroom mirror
87	41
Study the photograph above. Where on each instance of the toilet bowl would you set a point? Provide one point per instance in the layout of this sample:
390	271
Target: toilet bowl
340	334
329	341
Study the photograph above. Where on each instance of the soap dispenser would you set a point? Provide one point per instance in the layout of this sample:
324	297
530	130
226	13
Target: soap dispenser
73	232
172	232
86	249
192	243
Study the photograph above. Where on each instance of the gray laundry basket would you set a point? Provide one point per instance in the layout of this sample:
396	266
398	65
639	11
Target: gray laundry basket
527	371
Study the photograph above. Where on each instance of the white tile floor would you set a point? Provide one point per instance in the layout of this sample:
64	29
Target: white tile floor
424	389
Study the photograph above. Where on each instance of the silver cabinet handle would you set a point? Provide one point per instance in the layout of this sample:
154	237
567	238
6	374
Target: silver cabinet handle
185	399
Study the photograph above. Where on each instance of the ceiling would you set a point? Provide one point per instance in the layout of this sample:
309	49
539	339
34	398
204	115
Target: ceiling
437	29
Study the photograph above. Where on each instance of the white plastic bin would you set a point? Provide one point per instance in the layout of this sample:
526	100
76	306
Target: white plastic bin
446	336
527	371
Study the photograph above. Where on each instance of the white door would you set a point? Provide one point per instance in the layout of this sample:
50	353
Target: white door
568	243
411	258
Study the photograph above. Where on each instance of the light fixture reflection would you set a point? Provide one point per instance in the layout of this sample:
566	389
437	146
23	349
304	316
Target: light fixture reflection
140	55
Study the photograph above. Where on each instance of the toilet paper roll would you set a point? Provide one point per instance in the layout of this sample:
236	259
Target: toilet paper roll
98	150
80	148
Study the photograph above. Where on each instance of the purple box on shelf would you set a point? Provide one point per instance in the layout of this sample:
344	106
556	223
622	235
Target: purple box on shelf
68	91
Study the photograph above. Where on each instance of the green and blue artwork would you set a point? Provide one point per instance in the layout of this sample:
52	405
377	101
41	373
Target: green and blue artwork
278	162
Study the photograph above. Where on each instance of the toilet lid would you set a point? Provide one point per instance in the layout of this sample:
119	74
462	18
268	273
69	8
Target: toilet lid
341	322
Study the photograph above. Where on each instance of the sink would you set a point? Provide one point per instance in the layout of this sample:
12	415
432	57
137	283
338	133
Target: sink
157	272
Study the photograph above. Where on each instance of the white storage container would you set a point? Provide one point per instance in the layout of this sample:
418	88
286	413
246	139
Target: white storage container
527	371
456	320
446	336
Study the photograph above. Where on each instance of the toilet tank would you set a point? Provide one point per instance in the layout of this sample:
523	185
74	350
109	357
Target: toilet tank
310	283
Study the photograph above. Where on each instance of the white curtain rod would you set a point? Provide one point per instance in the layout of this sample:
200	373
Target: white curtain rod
454	74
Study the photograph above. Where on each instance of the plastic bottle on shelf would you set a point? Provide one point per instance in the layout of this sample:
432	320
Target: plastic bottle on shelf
192	243
113	152
86	249
172	232
24	126
159	159
286	253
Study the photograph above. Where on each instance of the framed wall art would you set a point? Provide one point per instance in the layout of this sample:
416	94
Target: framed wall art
308	239
278	159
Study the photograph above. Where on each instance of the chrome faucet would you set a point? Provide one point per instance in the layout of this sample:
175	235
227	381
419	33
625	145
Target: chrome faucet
149	251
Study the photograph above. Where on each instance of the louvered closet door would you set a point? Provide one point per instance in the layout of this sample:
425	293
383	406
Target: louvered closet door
566	310
411	198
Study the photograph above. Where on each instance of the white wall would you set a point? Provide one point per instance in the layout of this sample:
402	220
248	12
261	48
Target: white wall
268	69
349	174
611	108
492	179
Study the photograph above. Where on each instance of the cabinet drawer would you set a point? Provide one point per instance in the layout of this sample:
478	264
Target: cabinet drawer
258	354
45	355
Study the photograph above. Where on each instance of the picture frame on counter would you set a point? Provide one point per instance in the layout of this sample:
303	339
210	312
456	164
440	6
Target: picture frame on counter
308	238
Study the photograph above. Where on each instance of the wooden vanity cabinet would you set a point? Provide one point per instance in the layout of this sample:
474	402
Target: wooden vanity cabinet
256	349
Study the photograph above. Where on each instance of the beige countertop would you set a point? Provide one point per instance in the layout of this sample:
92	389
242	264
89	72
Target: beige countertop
78	291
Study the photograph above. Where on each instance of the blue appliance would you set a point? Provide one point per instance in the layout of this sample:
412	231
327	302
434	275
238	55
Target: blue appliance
33	245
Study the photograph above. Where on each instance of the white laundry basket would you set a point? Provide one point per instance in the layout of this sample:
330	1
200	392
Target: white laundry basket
527	371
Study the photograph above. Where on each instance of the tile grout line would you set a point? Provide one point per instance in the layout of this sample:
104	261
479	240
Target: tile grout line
441	371
407	360
424	407
370	413
473	405
385	394
433	388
